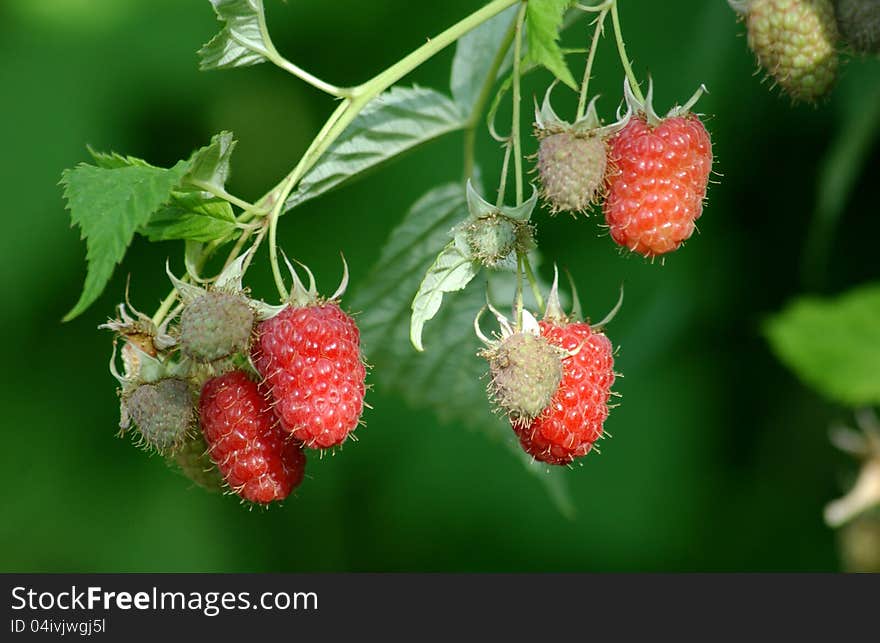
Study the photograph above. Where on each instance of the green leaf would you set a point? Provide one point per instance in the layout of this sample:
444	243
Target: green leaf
109	205
474	55
833	345
448	377
452	270
244	40
112	160
544	19
190	216
210	165
391	124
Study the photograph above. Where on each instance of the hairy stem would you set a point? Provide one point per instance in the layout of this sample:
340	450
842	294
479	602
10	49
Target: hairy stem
624	59
585	85
514	132
533	282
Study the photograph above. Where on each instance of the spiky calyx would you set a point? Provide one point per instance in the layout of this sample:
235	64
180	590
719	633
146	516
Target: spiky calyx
794	41
195	463
571	167
525	372
216	325
162	412
859	23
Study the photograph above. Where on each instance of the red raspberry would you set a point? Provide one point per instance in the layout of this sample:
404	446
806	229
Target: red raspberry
657	182
257	459
573	420
310	358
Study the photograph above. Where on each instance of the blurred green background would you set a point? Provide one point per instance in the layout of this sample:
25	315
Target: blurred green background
719	459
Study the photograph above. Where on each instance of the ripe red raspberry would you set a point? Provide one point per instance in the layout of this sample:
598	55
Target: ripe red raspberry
257	459
311	361
573	420
657	183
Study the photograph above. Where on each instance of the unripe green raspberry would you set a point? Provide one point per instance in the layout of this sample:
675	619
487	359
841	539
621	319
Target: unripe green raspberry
525	372
216	325
794	41
571	167
195	463
162	412
494	238
859	22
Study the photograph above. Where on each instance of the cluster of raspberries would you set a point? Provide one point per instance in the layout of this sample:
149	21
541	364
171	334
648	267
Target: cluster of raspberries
234	391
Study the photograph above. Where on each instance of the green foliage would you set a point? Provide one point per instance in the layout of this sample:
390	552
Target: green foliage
189	215
109	205
452	270
393	123
209	166
447	377
543	21
243	41
833	344
124	195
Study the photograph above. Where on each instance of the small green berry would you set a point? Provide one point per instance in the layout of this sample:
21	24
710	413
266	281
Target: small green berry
216	325
571	167
525	371
162	412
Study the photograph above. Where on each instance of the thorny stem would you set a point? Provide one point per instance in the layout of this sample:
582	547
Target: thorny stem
624	59
585	85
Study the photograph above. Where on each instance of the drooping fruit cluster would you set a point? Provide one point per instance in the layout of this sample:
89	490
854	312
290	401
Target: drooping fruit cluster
649	173
192	394
859	23
561	383
795	43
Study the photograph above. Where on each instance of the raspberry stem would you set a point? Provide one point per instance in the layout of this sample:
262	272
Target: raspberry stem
621	49
533	283
514	133
597	32
354	100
